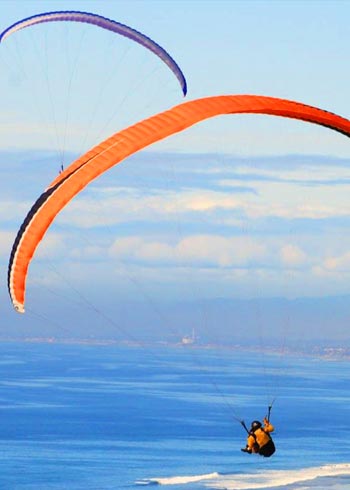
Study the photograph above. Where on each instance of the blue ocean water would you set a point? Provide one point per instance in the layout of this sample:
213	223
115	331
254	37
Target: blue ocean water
121	417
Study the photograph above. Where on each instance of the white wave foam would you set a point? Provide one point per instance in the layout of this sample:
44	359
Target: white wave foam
277	478
177	480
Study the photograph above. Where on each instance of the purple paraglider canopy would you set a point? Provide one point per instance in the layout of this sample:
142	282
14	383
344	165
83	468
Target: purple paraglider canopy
104	23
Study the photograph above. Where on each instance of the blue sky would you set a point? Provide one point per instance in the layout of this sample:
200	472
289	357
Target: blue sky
238	207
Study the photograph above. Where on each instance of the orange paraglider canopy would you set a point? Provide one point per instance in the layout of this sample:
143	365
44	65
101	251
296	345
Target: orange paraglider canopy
128	141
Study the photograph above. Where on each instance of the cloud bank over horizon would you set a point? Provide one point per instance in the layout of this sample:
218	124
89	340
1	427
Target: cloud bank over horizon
230	221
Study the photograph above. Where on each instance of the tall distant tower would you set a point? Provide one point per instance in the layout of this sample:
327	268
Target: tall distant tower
189	339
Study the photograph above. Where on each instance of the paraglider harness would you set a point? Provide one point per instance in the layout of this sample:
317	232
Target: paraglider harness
267	449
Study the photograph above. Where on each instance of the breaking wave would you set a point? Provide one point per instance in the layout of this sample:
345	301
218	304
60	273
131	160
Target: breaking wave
254	481
277	478
178	480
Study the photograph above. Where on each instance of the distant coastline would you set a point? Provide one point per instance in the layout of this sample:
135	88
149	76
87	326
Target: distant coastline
335	353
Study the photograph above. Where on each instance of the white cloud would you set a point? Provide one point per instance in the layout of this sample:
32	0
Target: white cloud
333	273
291	200
140	249
133	205
285	200
309	172
222	251
196	249
337	263
107	206
292	255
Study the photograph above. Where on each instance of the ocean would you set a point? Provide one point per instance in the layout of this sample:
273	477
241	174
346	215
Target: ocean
101	417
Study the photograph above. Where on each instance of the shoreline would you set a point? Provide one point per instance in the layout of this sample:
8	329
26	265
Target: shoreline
317	352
